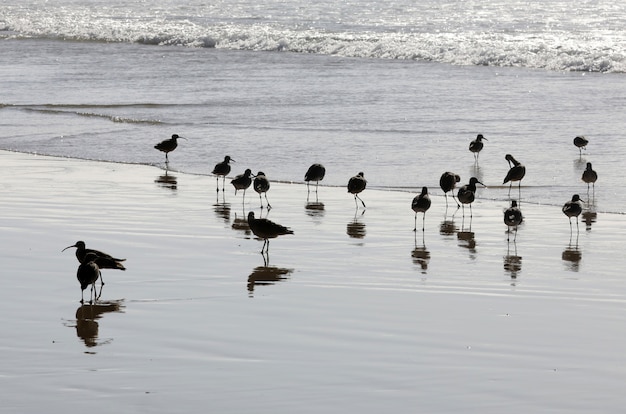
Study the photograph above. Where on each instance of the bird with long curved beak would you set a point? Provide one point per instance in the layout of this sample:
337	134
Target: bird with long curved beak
102	260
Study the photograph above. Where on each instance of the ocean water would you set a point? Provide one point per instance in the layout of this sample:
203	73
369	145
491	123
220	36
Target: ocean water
394	89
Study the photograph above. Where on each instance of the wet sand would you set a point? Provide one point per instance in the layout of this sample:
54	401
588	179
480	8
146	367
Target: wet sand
353	313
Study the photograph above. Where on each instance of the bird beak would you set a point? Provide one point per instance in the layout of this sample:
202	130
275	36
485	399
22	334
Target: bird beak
482	184
68	247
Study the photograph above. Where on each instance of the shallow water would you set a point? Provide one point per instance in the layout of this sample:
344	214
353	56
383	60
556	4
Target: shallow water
367	314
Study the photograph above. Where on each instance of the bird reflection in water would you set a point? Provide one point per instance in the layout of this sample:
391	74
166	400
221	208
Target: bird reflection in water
87	327
589	217
266	275
447	227
167	181
571	257
356	228
222	208
241	224
512	262
467	239
314	209
421	255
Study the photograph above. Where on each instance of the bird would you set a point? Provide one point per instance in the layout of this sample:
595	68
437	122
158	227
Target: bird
512	218
590	176
467	193
421	204
516	172
357	184
262	185
242	182
102	260
316	172
477	145
222	169
87	274
581	142
573	208
266	229
168	145
447	182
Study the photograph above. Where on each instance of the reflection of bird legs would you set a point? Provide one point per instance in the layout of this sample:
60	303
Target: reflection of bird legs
266	258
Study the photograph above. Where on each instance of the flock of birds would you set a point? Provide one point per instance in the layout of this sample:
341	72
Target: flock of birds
92	261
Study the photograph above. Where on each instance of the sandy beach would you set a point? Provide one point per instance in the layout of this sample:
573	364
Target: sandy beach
353	313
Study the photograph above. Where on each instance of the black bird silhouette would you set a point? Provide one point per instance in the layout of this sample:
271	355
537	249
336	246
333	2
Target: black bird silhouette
262	185
316	172
168	145
581	142
222	169
357	184
467	193
102	260
573	208
447	182
512	218
266	229
590	177
87	274
477	145
242	182
516	172
421	204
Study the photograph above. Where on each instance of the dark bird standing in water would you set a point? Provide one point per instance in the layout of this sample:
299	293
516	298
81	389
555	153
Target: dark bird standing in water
262	185
316	172
516	172
477	145
512	218
87	274
467	193
222	169
581	142
447	182
102	260
242	182
421	204
168	145
357	184
590	177
573	208
266	229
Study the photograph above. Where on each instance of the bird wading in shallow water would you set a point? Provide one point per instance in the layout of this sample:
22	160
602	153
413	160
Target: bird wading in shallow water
512	218
242	182
87	274
222	169
467	194
168	145
447	182
266	229
573	208
421	204
316	172
262	185
477	145
516	173
102	260
581	142
590	177
357	184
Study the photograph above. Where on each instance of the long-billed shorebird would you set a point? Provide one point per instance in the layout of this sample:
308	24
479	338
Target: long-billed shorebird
421	204
477	145
266	229
262	185
168	145
357	184
467	194
242	182
102	260
590	177
447	182
316	172
512	218
573	208
581	142
222	169
516	173
87	274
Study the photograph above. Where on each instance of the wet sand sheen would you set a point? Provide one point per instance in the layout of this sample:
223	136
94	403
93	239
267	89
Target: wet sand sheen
352	312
